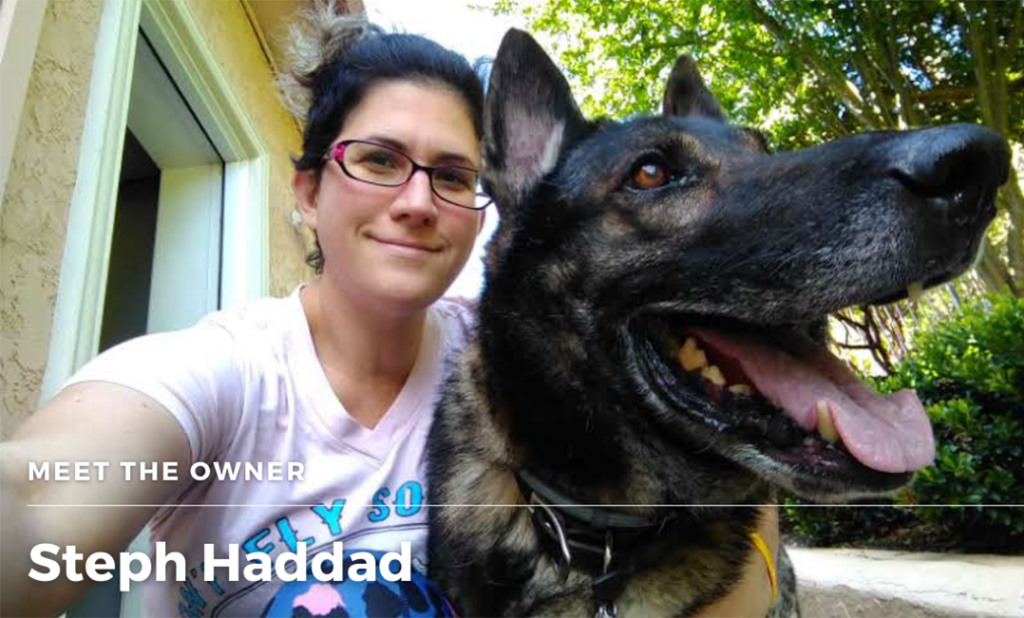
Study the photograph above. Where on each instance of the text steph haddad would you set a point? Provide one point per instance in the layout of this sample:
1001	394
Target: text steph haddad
166	471
287	567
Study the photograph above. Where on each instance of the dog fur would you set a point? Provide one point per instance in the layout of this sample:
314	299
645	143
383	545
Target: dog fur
588	274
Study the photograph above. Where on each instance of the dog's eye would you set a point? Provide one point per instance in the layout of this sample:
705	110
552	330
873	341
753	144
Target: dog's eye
649	174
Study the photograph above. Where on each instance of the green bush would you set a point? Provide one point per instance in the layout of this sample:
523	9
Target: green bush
969	373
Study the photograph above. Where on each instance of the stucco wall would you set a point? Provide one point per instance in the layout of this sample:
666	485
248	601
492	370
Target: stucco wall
36	200
42	177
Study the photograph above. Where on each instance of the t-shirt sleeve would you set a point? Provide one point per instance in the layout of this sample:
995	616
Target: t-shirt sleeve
196	374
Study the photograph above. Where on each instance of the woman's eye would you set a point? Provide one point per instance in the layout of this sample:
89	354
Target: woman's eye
454	178
380	159
649	175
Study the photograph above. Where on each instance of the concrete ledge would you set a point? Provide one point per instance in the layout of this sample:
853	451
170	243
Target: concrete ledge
844	583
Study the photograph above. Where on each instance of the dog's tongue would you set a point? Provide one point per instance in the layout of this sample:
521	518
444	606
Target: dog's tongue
888	433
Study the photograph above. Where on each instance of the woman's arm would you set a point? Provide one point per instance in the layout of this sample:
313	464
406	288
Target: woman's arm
90	422
753	596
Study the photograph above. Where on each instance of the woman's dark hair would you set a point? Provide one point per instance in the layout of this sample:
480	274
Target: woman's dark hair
337	58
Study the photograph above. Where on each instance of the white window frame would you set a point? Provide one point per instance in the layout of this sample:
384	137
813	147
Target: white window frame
178	40
21	22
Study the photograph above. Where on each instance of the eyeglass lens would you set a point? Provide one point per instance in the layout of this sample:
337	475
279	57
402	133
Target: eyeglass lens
380	165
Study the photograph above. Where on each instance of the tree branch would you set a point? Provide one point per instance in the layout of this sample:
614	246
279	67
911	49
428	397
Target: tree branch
1016	27
832	76
963	93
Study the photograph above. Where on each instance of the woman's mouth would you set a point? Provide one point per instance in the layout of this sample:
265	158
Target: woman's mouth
404	246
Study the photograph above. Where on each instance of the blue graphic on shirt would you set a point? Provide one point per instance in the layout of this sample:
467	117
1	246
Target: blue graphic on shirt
284	534
416	598
407	502
408	499
380	511
331	517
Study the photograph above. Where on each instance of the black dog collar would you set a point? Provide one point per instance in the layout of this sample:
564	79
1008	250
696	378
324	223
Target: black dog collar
612	544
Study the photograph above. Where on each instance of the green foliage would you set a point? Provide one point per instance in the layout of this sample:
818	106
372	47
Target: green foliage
969	373
979	354
806	71
801	70
830	526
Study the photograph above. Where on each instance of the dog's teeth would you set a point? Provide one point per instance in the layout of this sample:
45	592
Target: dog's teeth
713	374
741	389
692	357
826	428
914	291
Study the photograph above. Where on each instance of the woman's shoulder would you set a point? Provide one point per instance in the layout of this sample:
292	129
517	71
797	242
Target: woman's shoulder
264	314
219	343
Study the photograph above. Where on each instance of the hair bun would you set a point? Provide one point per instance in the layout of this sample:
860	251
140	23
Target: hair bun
321	33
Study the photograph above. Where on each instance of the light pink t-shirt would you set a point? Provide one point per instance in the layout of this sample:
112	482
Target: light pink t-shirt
246	386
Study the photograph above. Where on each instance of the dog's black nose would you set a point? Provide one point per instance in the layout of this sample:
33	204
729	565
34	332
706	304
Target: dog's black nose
956	169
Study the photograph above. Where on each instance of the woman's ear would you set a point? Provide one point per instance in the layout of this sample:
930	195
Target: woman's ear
305	187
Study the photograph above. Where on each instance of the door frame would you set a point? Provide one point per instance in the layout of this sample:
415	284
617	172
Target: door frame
176	37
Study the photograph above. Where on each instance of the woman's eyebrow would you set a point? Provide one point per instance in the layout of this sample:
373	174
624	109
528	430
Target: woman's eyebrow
454	158
385	141
444	157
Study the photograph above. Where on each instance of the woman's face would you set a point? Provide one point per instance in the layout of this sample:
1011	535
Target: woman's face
396	246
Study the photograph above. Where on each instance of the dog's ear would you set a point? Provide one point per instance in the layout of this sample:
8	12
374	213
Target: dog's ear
530	117
686	94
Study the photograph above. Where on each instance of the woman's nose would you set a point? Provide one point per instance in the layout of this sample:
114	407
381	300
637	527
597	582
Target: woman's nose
415	202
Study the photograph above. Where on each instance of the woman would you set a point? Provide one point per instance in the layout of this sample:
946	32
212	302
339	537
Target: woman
339	376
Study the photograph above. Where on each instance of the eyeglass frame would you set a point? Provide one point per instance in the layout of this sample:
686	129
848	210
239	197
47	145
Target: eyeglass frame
337	154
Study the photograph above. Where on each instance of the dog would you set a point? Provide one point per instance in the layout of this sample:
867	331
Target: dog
648	364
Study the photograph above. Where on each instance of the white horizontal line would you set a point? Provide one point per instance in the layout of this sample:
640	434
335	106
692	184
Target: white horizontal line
620	506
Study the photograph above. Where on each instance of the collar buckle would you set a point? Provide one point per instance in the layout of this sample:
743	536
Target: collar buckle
546	518
605	605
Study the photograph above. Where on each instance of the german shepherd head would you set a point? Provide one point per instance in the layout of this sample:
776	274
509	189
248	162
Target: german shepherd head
651	328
